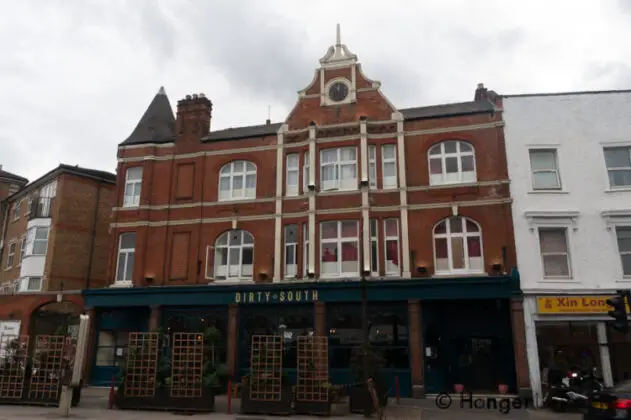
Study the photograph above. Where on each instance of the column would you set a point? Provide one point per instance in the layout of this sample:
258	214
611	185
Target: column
154	318
415	337
280	165
605	360
91	347
319	318
519	347
532	350
312	200
403	196
232	343
366	266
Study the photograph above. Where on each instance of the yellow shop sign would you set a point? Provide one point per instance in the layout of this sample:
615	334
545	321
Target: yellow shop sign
278	296
573	304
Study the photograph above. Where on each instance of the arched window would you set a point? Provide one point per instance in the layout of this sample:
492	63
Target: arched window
234	256
237	181
451	162
458	246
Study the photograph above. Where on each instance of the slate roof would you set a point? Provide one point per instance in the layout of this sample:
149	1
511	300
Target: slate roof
12	177
410	114
157	125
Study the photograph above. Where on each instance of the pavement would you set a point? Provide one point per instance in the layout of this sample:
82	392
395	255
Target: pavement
94	406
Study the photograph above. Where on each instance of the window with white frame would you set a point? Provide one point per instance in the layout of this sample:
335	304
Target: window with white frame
338	169
305	252
17	209
555	254
544	168
292	175
339	248
11	255
391	247
451	162
33	284
40	240
389	165
237	181
22	247
618	161
372	166
234	255
623	235
291	251
133	186
305	172
374	247
126	257
458	246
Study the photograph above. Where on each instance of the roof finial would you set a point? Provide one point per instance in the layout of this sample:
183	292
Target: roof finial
162	91
338	38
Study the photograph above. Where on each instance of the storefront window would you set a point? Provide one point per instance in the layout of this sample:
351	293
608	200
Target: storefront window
619	351
567	345
197	321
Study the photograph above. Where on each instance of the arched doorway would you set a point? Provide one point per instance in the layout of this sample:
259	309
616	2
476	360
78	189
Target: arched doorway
56	318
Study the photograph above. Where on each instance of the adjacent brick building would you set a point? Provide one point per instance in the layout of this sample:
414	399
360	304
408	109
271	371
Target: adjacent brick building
55	240
9	184
270	227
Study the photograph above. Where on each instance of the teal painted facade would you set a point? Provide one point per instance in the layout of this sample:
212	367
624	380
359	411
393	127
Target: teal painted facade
480	315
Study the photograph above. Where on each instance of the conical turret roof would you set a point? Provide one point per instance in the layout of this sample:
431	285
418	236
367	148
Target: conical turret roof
157	125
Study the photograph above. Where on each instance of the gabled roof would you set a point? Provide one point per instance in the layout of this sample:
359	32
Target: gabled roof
4	175
157	125
409	114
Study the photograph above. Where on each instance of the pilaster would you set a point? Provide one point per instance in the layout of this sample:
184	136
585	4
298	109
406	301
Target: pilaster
520	348
154	318
233	339
403	197
319	309
417	359
278	222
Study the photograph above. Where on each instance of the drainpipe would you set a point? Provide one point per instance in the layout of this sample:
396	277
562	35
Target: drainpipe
4	232
88	277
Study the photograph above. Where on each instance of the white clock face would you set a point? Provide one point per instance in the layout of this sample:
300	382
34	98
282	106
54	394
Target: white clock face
338	91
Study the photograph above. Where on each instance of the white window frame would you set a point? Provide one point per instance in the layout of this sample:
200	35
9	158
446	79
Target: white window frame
389	182
305	251
389	271
338	183
609	170
126	252
620	252
43	242
11	248
291	247
17	209
305	172
292	166
133	186
245	272
230	172
372	166
22	248
374	242
554	170
464	235
28	287
459	177
567	252
338	242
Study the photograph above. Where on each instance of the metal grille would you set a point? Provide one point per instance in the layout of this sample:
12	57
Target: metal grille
313	369
142	365
47	367
13	358
187	362
266	368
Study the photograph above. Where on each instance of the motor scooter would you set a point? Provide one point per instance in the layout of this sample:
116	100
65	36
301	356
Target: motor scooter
573	391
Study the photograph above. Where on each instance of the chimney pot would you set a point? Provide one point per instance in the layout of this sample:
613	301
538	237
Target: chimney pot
201	95
480	85
195	96
188	97
268	122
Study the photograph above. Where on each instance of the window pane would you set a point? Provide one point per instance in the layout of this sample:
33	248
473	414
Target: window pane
234	256
441	227
555	265
350	251
388	151
373	227
221	256
617	157
451	146
224	184
471	227
41	233
473	246
348	153
292	178
247	256
441	247
291	233
624	239
455	224
374	256
247	238
372	152
120	272
543	159
626	264
435	166
392	227
226	169
465	147
250	180
329	252
128	241
129	272
552	241
223	239
292	161
237	183
467	163
349	229
329	230
451	164
329	155
392	252
290	254
250	167
238	166
435	150
457	253
236	237
134	174
389	169
545	180
619	178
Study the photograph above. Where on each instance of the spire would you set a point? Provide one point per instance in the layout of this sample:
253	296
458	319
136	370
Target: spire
157	123
338	55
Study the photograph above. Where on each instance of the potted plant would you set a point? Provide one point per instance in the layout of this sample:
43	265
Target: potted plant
258	406
366	363
502	388
314	395
458	388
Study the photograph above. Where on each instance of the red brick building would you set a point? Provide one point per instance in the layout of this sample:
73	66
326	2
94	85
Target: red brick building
270	227
55	241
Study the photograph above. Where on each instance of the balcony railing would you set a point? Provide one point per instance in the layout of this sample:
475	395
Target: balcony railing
41	208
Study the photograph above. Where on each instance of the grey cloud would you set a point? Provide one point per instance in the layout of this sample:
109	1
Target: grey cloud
611	75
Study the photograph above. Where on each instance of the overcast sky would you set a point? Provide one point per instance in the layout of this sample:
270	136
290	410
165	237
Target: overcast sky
76	76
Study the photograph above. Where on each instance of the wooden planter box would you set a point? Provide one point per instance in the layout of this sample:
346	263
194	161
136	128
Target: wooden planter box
316	408
162	400
49	402
360	401
282	407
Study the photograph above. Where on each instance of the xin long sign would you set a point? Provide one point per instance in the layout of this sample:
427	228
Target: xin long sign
573	305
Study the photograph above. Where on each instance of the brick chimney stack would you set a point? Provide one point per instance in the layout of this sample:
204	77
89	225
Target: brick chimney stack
193	116
483	94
